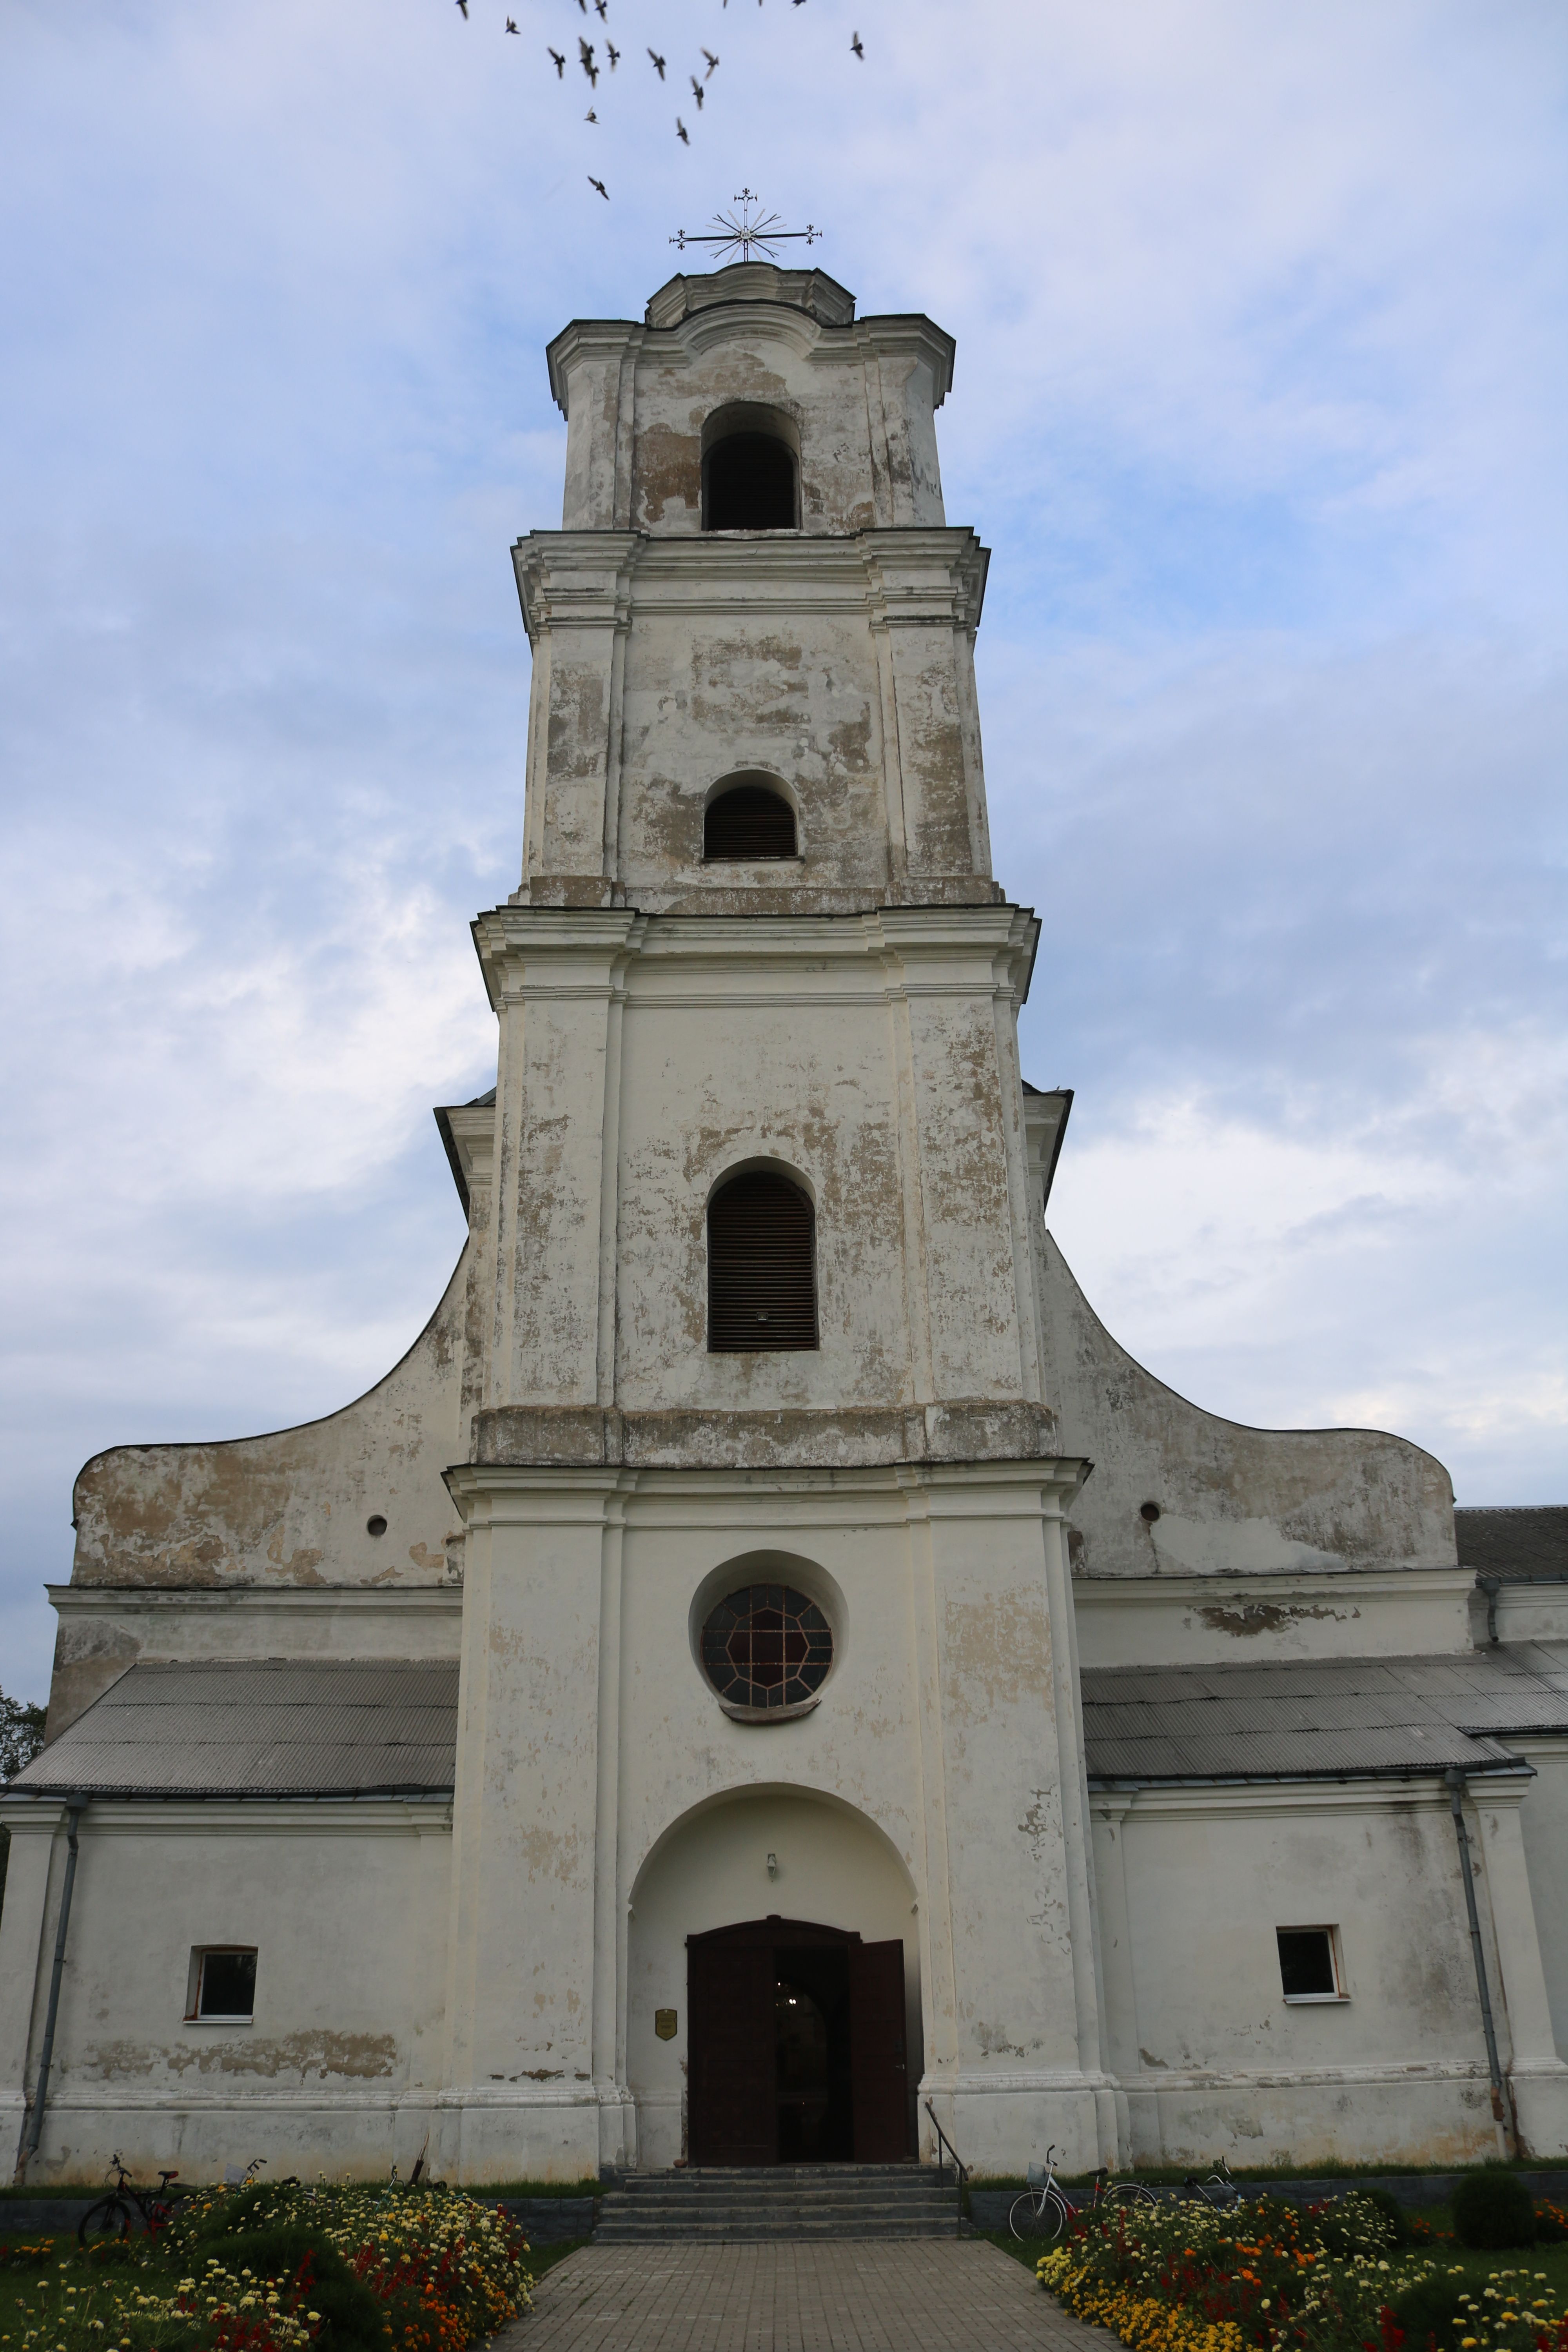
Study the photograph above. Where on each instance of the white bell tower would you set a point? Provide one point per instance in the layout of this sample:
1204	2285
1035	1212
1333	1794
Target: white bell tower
755	1302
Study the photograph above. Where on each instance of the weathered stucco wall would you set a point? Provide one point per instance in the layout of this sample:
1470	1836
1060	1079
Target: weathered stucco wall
1134	1620
857	397
1192	1884
277	1512
1231	1500
590	1732
871	1058
843	668
346	1907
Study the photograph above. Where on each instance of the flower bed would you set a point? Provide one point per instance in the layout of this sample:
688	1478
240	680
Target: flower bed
1272	2277
277	2269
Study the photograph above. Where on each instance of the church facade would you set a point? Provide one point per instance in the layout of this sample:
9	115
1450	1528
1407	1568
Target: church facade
766	1674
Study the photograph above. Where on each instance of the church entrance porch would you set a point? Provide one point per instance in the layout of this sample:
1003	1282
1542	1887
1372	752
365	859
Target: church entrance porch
797	2046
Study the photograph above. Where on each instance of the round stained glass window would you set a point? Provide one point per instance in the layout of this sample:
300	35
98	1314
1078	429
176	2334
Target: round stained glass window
767	1648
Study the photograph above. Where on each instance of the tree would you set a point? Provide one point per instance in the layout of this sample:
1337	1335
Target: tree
21	1736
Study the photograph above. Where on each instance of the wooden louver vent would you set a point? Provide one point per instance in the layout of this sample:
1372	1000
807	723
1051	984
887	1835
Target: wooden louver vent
762	1282
748	821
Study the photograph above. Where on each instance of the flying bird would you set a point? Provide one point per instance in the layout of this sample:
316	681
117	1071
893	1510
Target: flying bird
586	58
604	8
512	28
697	92
681	132
600	185
463	4
658	62
712	61
855	45
590	116
560	63
613	54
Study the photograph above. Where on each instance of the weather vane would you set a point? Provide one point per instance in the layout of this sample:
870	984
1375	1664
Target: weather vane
763	230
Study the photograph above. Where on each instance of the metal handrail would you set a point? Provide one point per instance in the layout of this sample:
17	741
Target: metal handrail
960	2168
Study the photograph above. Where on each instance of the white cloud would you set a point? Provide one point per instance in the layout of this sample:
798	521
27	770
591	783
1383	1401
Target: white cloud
1260	379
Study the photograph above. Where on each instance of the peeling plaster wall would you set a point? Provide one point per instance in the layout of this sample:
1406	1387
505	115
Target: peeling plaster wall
346	1907
1209	2055
874	1059
277	1513
843	668
948	1726
1233	1500
1209	1619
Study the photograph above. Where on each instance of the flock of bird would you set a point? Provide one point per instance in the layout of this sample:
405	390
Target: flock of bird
587	58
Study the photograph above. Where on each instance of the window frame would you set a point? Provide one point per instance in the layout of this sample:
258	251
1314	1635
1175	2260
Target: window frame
200	1955
1330	1933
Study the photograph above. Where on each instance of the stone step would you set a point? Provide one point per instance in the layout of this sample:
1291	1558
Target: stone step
713	2204
807	2207
626	2233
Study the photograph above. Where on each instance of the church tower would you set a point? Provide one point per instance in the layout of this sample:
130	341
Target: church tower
769	1699
648	1724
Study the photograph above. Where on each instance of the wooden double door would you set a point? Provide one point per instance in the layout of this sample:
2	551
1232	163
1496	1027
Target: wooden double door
796	2047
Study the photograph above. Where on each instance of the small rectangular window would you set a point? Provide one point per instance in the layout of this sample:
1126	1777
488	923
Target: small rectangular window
1309	1967
224	1984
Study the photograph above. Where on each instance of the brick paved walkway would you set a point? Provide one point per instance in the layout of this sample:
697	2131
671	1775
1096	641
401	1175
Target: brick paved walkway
856	2294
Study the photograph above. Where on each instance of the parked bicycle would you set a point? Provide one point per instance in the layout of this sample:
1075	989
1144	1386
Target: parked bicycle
1043	2210
1219	2189
127	2208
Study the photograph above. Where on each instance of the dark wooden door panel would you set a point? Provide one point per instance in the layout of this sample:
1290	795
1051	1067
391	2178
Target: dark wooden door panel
730	2112
878	2058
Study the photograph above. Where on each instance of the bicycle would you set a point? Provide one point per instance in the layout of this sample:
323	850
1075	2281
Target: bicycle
114	2217
1043	2210
1218	2190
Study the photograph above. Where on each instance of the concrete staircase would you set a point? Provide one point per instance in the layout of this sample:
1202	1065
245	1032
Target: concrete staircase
716	2204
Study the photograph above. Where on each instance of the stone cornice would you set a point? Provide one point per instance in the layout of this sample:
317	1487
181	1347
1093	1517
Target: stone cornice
907	575
294	1599
913	1442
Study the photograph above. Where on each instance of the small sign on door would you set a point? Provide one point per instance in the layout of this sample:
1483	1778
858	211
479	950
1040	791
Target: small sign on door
664	2023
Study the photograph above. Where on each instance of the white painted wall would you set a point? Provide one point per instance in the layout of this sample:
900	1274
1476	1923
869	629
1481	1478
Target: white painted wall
346	1905
1211	2058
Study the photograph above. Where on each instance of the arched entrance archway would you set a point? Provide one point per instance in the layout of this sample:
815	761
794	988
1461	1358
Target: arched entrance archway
754	1898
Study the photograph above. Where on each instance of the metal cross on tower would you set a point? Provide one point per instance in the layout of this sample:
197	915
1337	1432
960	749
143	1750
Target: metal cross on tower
732	236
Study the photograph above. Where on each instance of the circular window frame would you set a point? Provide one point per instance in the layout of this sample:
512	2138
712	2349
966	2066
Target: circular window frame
803	1576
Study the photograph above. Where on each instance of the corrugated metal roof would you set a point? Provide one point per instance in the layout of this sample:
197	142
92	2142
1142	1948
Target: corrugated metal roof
315	1728
1329	1718
1518	1541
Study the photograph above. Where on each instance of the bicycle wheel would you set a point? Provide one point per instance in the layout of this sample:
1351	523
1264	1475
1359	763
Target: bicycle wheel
105	2224
1038	2221
1129	2192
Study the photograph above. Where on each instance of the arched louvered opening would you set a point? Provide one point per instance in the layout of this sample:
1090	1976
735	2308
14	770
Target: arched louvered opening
748	819
761	1277
749	484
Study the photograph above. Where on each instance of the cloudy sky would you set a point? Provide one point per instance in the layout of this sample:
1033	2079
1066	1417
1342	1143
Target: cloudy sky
1260	399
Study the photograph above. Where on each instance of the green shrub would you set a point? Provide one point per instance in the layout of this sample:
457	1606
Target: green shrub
1430	2313
354	2321
1493	2209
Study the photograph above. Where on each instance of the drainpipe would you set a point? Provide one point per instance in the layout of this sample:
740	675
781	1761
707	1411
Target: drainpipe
75	1807
1455	1780
1492	1586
